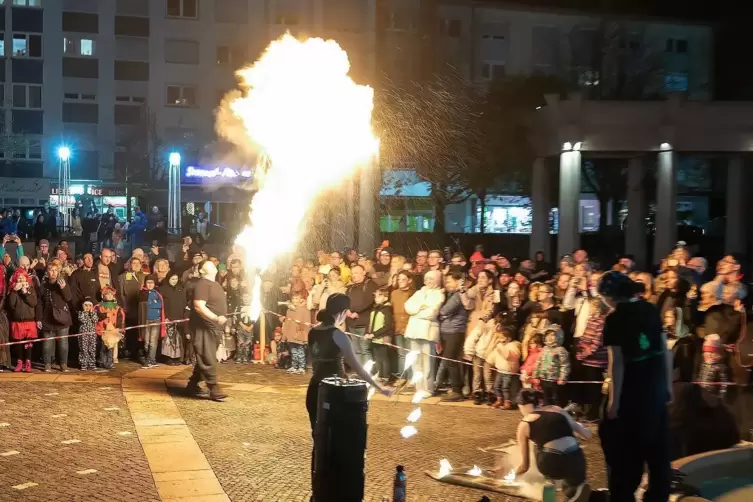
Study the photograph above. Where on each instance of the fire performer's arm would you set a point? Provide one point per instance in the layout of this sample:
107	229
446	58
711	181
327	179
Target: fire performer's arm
346	349
525	453
577	427
203	310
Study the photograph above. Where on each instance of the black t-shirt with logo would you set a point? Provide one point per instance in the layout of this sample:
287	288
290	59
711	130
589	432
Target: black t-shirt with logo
212	293
635	327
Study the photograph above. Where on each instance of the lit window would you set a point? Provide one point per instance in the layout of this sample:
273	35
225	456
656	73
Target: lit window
26	45
87	47
27	3
2	44
181	95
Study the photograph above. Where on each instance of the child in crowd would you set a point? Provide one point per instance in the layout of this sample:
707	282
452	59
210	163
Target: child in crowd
714	374
244	332
674	327
505	357
22	304
151	316
537	321
110	318
281	350
87	321
294	328
535	343
380	330
553	366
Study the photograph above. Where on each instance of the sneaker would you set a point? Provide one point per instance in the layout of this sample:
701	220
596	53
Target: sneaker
27	366
507	405
290	371
498	403
19	367
47	368
453	397
490	399
300	372
478	399
64	368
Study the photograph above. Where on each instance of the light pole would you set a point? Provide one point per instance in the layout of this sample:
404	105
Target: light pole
64	184
173	193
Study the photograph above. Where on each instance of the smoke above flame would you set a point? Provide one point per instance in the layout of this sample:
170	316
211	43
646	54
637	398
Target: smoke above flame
310	125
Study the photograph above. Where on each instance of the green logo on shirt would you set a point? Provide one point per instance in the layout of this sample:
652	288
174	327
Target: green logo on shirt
643	342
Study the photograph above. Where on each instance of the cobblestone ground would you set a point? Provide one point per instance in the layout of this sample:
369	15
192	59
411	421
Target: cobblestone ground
41	416
258	443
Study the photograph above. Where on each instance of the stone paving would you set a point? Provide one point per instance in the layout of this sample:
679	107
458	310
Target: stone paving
147	441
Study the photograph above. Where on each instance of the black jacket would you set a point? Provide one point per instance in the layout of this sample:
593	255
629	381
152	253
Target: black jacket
22	307
84	283
53	296
361	300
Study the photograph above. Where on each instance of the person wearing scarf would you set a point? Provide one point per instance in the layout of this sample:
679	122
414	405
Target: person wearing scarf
174	296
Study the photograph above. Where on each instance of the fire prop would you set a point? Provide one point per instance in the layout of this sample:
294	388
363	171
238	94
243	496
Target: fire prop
312	126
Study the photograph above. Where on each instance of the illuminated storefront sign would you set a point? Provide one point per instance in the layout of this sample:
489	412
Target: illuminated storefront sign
218	173
93	191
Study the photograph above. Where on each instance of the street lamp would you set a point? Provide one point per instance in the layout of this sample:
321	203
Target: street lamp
173	193
64	184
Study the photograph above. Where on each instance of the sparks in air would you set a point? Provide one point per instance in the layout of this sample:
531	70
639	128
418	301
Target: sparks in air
419	396
307	119
414	415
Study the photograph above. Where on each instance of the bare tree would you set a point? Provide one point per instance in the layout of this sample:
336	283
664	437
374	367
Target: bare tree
143	157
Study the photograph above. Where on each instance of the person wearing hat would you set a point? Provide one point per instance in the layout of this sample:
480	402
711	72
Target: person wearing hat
635	429
381	275
559	456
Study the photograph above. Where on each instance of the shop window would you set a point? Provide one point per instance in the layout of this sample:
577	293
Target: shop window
26	45
181	95
184	9
27	96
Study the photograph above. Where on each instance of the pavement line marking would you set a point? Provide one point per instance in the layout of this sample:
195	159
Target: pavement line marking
52	394
70	441
4	424
114	408
86	471
9	453
59	415
125	433
25	486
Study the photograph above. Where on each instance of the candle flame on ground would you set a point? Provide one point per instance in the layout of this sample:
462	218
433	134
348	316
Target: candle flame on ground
414	415
310	126
476	471
419	396
408	431
410	358
444	467
510	477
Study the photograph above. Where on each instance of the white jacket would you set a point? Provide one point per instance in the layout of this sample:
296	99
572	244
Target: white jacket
505	357
477	341
423	308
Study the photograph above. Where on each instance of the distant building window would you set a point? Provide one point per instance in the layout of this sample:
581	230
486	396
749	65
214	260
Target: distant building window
676	45
27	96
22	148
76	46
450	27
676	82
27	3
182	51
186	9
493	71
130	99
75	96
402	19
287	19
229	55
132	70
27	45
181	95
2	44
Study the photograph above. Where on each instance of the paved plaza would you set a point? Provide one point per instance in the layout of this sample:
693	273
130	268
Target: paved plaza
133	436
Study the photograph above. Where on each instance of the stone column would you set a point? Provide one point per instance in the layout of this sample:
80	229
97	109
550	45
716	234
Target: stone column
368	224
569	204
735	240
666	205
540	211
635	236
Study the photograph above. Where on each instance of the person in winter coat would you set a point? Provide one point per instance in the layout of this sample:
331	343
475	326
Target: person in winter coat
398	296
131	283
151	314
553	366
591	359
423	326
480	300
453	319
475	349
137	229
174	296
84	282
54	316
504	355
380	331
533	350
361	294
22	311
110	317
297	333
87	321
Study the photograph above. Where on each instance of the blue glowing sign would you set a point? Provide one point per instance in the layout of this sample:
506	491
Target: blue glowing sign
217	174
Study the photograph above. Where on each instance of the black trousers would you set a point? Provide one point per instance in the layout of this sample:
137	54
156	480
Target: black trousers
205	345
382	357
452	348
629	442
568	467
554	393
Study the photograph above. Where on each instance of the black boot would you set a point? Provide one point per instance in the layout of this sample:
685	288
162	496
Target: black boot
193	389
491	398
479	399
215	394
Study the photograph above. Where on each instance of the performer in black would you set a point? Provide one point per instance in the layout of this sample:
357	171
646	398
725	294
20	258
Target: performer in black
207	320
329	348
635	429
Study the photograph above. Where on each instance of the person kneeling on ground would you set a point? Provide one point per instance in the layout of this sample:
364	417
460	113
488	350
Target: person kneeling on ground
558	454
